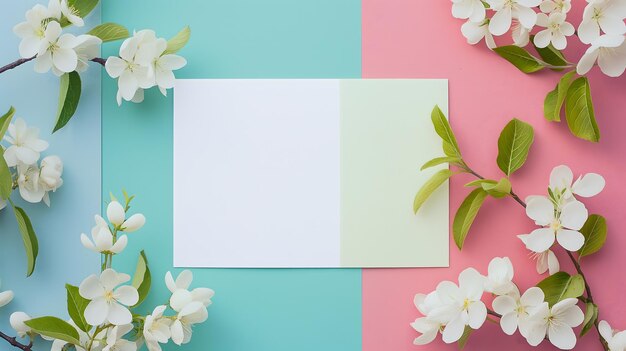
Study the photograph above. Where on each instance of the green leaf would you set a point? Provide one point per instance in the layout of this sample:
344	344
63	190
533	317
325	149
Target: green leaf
440	160
442	127
560	286
110	32
429	187
6	180
465	337
551	55
69	96
579	113
83	7
178	41
591	315
553	103
76	305
466	214
520	58
55	328
28	237
594	231
5	121
499	189
142	278
513	145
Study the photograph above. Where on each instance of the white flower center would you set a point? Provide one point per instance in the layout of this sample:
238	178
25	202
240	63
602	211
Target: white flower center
466	304
108	296
556	225
597	14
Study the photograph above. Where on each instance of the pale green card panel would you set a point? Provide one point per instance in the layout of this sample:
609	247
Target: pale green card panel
254	309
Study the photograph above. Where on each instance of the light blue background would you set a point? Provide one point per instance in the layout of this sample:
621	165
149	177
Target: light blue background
254	309
61	257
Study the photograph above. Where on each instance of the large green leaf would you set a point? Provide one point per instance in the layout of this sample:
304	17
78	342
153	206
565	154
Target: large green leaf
178	41
76	306
579	112
142	278
520	58
110	32
591	315
55	328
466	214
560	286
440	160
429	187
69	96
6	180
513	145
29	238
594	231
442	127
553	103
5	121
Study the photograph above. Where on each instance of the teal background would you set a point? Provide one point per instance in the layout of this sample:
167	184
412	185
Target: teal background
254	309
62	258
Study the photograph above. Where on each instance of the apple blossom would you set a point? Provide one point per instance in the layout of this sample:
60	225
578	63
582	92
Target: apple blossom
609	51
25	144
521	34
181	329
474	10
562	225
587	185
163	67
117	216
181	296
57	51
555	322
5	297
507	10
71	13
32	31
500	276
156	329
551	6
615	339
605	15
461	305
108	301
515	309
475	32
87	48
130	73
28	183
557	29
427	327
50	174
17	320
546	260
103	240
114	341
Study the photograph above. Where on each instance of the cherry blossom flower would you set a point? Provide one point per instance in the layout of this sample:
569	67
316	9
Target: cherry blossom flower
605	15
103	239
87	48
156	329
181	329
25	144
108	301
556	322
507	10
181	296
130	73
515	309
562	225
520	34
556	32
114	341
32	31
28	183
57	51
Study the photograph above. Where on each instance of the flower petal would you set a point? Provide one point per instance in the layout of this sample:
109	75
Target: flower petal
526	16
540	209
562	336
184	279
573	215
553	263
508	323
127	295
453	330
97	311
589	185
119	245
561	177
169	282
588	60
177	332
571	240
540	239
504	304
588	31
116	213
477	313
119	315
501	22
179	299
91	288
532	297
135	222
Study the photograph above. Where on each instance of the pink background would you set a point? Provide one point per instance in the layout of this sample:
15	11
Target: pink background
410	39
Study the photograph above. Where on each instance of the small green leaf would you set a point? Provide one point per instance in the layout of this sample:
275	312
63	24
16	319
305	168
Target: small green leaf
551	55
480	182
69	96
440	160
466	214
579	112
594	232
520	58
6	180
442	127
142	278
591	315
55	328
513	145
110	32
429	187
29	238
499	189
76	306
5	121
178	41
465	337
560	286
553	103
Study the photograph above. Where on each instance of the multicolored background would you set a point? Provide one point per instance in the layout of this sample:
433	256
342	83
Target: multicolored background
311	309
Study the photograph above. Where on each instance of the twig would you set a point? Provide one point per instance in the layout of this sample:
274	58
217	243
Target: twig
494	313
99	60
13	341
512	193
15	63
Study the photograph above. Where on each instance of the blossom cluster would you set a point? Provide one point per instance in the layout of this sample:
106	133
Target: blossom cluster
33	178
560	215
42	37
110	299
602	27
143	63
452	308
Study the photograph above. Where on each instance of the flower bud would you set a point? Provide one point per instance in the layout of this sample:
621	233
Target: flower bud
51	171
116	213
17	320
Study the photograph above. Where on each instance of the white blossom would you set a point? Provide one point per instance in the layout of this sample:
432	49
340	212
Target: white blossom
546	260
25	145
156	329
610	52
562	181
57	51
71	14
87	48
115	342
427	327
102	239
556	323
51	172
108	301
131	74
117	216
28	183
615	339
520	34
181	296
181	329
562	225
507	10
5	297
556	32
17	320
551	6
32	31
605	15
500	276
474	10
475	32
515	309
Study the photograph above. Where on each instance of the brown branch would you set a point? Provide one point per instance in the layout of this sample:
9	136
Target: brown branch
15	63
13	342
99	60
494	313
